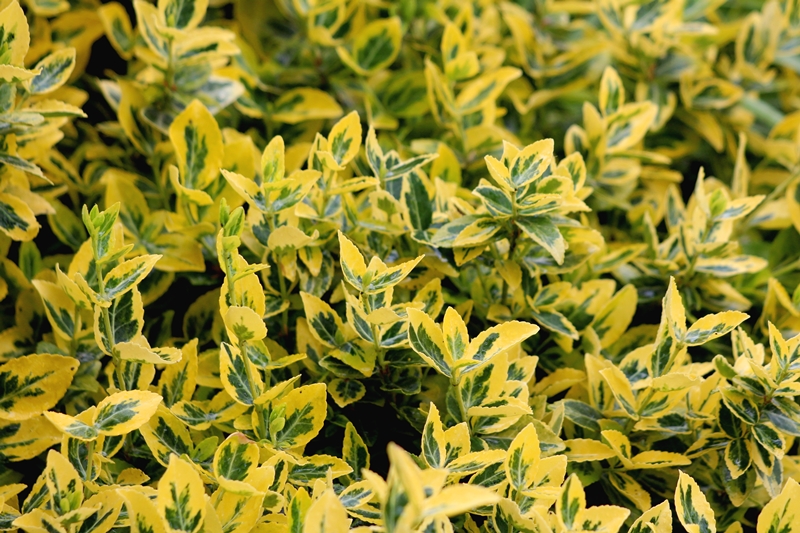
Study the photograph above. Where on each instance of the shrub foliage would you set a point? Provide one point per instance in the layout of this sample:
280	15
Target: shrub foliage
399	266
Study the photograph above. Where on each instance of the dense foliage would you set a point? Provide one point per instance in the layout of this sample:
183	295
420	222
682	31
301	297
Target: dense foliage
318	266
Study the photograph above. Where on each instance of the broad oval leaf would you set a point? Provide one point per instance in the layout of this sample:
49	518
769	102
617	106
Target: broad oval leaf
181	497
54	71
125	411
32	384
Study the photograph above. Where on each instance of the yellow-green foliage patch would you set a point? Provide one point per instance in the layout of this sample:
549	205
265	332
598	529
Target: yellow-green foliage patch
399	266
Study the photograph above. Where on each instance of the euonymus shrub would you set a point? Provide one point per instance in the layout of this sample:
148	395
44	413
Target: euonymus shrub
399	266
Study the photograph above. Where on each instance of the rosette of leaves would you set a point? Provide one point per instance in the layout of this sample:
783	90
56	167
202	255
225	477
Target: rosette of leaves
758	415
521	230
373	338
700	249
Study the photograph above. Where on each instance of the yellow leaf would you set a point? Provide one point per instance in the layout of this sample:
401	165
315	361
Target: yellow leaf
117	26
571	504
63	483
609	517
240	377
352	262
612	93
236	458
305	103
434	445
126	276
485	89
659	519
713	326
522	460
54	71
498	339
26	439
33	384
779	514
692	508
458	499
426	339
531	163
325	323
326	515
38	521
658	459
244	324
344	140
144	517
25	227
125	411
581	450
674	311
631	489
179	380
375	46
60	309
181	497
72	426
165	435
182	15
198	145
615	317
14	26
138	351
620	444
627	126
621	388
288	239
109	504
305	410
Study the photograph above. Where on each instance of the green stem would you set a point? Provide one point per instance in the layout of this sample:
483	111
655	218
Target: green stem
89	459
284	297
455	382
106	316
73	344
281	282
376	337
251	381
229	274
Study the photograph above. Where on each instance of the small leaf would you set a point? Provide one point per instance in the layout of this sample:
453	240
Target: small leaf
433	439
236	458
198	144
352	262
375	47
522	460
305	410
692	508
181	497
125	411
32	384
780	514
344	140
16	37
713	326
54	71
304	103
544	233
182	14
354	451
